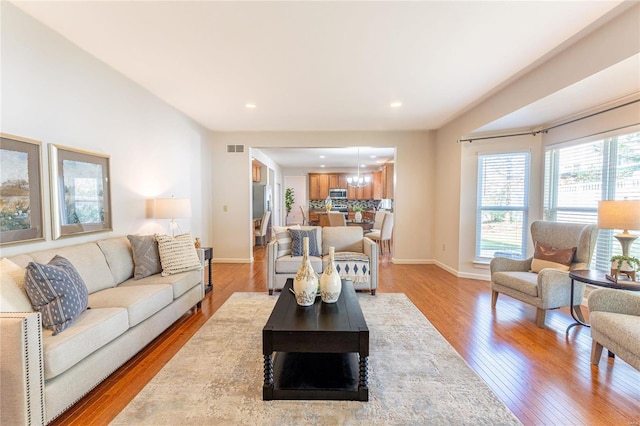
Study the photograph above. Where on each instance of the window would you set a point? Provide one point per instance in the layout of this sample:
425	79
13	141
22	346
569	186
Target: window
578	176
503	203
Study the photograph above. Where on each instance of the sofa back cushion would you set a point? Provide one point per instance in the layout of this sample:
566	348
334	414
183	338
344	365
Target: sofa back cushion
343	238
88	260
117	251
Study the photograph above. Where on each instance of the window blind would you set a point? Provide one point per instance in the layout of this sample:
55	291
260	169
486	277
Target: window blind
577	177
503	203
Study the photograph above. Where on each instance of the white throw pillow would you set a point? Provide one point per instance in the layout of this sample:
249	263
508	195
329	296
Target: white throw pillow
177	254
13	296
283	236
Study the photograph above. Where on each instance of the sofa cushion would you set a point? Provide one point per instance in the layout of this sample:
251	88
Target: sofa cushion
141	302
343	239
57	291
93	329
181	282
621	328
297	237
13	296
119	257
524	282
546	256
88	260
146	259
291	264
177	254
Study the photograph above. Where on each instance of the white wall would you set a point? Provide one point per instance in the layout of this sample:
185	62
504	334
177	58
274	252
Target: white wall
414	190
54	92
299	186
615	41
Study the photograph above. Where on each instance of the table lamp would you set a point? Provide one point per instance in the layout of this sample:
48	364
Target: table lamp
620	214
172	208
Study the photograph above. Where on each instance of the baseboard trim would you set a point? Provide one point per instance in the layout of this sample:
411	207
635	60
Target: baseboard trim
232	260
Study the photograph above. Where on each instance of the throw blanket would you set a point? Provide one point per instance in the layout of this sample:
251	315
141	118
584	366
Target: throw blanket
352	266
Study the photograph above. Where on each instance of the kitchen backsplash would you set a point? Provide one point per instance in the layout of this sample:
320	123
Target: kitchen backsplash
339	203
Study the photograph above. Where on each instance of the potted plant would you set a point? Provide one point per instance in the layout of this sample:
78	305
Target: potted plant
289	199
358	215
627	265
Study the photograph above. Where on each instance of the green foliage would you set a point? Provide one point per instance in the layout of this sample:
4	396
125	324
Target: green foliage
620	259
357	208
289	199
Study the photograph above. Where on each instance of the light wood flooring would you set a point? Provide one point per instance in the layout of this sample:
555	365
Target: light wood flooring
543	376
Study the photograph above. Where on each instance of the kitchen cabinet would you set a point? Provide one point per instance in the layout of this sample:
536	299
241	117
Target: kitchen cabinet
362	193
318	186
377	186
255	171
387	181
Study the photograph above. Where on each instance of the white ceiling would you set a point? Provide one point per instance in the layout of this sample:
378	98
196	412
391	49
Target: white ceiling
333	65
369	158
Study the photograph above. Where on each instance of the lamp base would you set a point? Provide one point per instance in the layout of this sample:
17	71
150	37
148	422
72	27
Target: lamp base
626	240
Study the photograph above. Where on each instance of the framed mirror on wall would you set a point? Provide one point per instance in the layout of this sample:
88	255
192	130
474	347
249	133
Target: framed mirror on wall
21	199
80	192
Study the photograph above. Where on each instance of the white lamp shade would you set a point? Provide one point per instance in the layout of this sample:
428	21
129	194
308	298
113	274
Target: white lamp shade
623	214
171	208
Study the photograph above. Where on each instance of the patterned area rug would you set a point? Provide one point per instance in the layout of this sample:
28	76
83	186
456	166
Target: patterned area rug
415	376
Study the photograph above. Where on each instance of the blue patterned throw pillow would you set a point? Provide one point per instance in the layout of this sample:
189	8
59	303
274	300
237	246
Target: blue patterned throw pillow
296	241
57	291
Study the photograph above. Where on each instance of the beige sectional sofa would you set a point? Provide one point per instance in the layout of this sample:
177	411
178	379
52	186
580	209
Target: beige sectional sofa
345	240
44	374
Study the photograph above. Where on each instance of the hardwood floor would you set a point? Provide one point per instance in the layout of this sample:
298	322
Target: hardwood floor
543	376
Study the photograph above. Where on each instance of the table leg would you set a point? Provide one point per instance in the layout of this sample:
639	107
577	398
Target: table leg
571	310
267	387
363	384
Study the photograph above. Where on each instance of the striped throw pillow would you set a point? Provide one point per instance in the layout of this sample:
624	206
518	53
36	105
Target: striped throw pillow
283	236
177	254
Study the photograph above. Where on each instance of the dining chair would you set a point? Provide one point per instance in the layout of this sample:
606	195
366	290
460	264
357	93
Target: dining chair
304	217
383	238
261	231
337	219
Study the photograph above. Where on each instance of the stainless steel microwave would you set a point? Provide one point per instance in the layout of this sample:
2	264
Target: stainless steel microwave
337	193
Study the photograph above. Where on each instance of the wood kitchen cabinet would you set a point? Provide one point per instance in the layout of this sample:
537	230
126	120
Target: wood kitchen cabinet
255	171
318	186
377	186
363	193
387	181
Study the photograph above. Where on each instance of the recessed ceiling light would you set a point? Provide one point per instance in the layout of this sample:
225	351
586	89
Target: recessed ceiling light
373	156
250	106
321	165
396	104
323	156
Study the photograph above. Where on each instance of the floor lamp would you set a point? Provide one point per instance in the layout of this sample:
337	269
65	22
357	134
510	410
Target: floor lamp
172	208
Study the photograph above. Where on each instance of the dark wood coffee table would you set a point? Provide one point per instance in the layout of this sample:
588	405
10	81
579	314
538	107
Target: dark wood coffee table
316	352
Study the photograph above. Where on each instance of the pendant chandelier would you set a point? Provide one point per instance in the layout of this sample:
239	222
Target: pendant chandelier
358	181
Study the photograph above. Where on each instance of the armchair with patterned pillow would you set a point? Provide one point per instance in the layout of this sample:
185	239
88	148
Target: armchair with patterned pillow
356	256
543	280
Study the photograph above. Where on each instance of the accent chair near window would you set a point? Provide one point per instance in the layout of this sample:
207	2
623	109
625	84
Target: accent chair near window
550	288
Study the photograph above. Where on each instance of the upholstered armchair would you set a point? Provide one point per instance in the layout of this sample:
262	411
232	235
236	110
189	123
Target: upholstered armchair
615	324
352	249
549	288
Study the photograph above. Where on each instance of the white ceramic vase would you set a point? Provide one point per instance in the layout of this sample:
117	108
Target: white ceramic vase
330	283
358	216
305	284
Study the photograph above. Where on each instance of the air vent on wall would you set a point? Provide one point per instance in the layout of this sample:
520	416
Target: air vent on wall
235	148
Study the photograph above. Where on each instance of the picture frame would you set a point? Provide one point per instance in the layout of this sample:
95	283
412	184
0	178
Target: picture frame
21	195
80	192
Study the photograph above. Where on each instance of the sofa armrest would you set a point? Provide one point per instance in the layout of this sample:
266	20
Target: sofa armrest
370	248
272	251
503	264
22	372
617	301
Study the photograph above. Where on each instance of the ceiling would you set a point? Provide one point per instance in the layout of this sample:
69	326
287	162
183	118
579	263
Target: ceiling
369	158
325	66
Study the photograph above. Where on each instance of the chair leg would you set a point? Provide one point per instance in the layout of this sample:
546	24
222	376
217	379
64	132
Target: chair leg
578	311
494	298
596	352
540	316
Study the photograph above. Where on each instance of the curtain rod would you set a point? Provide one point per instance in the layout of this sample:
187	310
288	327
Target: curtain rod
546	129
